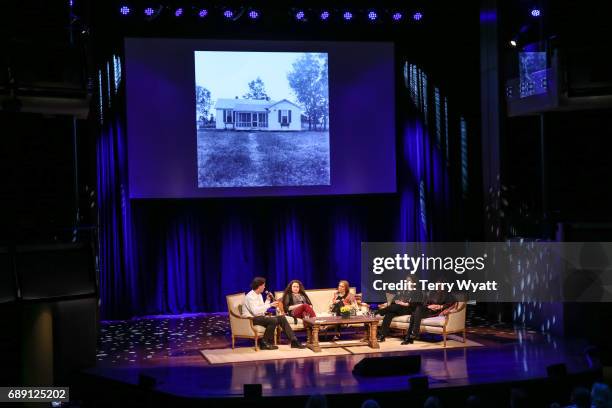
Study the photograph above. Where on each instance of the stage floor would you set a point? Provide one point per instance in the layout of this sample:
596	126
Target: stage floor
168	349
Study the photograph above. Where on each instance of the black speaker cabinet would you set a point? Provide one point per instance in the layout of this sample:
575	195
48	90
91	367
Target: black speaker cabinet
386	366
54	271
8	289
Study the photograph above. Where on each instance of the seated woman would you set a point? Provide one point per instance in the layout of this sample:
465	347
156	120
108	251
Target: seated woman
296	302
341	297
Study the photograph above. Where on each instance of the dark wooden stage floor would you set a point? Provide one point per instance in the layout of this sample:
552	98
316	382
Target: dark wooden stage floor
168	350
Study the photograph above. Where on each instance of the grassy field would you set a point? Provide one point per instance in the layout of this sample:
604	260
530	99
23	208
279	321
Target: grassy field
251	159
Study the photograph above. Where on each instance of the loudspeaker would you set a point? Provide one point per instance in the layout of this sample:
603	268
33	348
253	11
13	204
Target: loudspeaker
54	271
72	353
252	390
419	384
146	381
606	356
8	290
382	366
556	371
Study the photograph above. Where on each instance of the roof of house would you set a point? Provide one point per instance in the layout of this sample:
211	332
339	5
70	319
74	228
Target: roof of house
250	105
284	100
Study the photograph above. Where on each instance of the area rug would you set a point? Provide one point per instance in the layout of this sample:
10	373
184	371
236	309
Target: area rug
394	344
248	354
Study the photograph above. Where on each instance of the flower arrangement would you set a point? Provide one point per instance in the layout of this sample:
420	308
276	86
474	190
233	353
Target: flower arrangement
346	309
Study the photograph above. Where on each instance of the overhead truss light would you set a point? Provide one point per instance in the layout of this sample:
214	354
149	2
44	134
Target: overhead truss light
150	12
254	14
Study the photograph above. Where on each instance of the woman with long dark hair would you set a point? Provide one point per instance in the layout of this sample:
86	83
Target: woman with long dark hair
296	302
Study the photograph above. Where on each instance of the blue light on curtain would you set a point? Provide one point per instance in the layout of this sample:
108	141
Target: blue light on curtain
117	281
348	233
291	252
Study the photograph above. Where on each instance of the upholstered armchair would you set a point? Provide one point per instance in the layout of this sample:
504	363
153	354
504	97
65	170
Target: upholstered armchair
453	322
242	327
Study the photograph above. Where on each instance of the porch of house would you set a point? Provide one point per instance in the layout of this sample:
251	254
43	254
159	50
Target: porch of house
250	120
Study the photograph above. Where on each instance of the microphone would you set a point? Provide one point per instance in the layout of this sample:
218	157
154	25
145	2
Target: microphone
269	295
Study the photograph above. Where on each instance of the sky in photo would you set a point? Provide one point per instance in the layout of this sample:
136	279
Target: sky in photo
226	74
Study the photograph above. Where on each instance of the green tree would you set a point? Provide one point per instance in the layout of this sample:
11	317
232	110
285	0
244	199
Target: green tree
323	89
203	102
308	80
257	90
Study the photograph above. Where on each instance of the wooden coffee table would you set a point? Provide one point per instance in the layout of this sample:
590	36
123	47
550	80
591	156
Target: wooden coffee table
313	326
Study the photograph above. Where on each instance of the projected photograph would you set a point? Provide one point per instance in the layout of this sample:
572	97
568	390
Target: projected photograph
532	70
262	118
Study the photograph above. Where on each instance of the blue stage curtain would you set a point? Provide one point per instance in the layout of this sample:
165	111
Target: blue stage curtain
175	256
117	281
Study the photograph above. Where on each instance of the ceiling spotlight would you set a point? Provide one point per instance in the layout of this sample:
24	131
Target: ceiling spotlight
513	43
202	13
178	12
535	12
347	15
418	16
253	14
300	15
397	16
372	15
228	14
149	11
124	10
324	15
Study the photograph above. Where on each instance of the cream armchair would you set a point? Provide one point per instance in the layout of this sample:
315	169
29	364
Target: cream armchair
242	327
453	322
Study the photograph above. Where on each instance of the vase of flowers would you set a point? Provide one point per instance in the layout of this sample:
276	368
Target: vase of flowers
345	312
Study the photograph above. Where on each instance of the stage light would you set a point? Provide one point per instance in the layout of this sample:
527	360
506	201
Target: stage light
347	15
535	12
372	15
149	11
178	12
397	16
418	16
202	13
253	14
324	15
300	15
513	43
124	10
228	14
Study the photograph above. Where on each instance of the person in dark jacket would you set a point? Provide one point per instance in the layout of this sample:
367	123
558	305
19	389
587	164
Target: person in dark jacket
403	303
435	303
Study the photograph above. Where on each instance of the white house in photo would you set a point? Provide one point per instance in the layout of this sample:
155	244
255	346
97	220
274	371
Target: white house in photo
254	114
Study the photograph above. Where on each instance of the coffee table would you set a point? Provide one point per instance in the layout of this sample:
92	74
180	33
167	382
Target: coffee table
314	324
